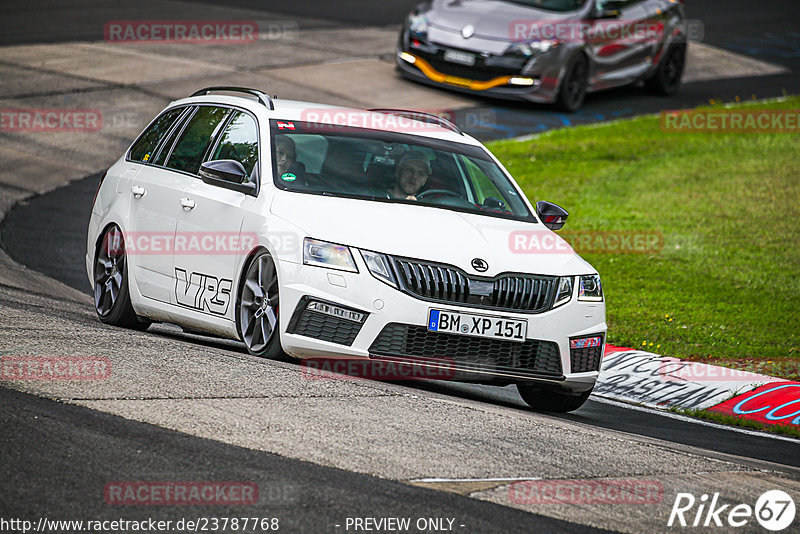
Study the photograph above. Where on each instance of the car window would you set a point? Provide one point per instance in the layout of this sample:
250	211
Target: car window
484	187
195	139
614	4
166	146
552	5
239	141
311	150
382	166
145	146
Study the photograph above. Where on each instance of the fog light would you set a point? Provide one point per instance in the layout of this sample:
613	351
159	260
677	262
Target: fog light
336	311
521	80
408	58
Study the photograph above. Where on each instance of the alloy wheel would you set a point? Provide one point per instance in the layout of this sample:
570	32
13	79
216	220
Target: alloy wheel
258	308
108	271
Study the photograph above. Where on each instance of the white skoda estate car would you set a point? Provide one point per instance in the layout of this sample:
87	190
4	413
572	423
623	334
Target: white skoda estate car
324	232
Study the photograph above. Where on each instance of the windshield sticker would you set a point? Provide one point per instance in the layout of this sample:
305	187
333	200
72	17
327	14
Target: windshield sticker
288	177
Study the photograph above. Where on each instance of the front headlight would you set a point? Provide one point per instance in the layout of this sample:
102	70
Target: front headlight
330	255
533	48
590	289
564	292
417	24
378	265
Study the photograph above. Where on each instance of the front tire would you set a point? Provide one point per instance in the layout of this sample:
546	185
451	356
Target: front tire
257	309
552	401
573	87
112	300
667	79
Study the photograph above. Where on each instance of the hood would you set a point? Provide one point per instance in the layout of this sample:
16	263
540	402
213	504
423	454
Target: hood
428	233
492	19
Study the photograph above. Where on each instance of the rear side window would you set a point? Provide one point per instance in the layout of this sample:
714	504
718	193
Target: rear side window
145	146
164	151
193	143
239	141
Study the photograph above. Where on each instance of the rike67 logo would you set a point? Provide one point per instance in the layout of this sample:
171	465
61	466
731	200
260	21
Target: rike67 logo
774	510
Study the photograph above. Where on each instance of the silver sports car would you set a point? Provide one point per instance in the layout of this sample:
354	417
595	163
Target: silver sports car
547	51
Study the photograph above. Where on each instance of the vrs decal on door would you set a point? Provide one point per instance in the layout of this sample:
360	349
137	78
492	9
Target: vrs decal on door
203	292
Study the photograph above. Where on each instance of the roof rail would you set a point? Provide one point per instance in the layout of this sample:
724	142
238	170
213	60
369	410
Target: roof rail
423	116
262	97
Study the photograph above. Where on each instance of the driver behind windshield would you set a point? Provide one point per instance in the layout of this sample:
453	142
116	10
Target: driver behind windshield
286	156
412	173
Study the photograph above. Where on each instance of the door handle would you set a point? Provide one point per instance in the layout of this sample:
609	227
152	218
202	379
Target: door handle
187	203
138	191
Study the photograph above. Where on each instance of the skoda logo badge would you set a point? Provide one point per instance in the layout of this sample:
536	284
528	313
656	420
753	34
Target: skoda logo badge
480	265
467	31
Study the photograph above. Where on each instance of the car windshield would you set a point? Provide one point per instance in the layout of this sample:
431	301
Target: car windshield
551	5
382	166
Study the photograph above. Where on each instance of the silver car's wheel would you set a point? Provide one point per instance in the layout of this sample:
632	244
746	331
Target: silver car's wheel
667	78
258	308
574	85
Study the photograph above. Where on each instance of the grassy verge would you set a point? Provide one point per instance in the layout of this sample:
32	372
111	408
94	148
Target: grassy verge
725	288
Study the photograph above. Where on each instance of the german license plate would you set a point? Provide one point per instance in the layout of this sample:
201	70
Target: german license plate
469	324
462	58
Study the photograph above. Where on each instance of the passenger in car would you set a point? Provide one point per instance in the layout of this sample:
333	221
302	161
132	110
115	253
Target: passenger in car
413	171
286	156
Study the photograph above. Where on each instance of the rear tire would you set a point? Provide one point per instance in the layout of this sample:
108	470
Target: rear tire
112	300
666	81
552	401
573	87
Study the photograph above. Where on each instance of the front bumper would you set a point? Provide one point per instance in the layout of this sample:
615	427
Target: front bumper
536	80
384	324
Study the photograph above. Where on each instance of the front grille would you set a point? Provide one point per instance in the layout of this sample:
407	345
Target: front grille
411	341
327	328
443	283
586	359
480	71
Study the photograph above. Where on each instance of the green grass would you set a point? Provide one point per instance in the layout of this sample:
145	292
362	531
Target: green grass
726	285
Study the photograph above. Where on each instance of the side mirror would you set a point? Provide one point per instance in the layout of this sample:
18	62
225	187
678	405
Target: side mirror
226	173
552	215
224	169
